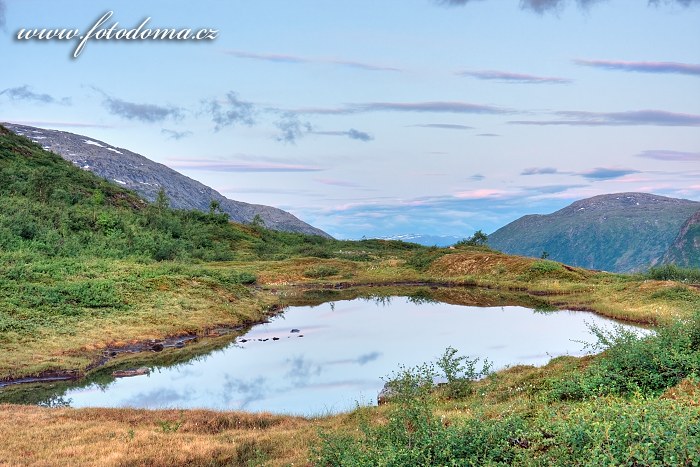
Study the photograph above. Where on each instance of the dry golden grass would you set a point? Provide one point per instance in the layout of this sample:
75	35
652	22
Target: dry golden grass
476	263
176	304
34	436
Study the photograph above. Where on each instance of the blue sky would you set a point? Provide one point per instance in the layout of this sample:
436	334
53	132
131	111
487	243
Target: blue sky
381	117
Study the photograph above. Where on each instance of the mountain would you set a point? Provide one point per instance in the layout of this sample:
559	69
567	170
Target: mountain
145	177
621	232
685	249
425	239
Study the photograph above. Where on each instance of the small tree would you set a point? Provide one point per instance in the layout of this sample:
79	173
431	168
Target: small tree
258	222
162	201
96	200
214	207
478	239
544	255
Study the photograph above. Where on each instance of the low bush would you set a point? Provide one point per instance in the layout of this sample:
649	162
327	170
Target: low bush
633	363
320	272
671	272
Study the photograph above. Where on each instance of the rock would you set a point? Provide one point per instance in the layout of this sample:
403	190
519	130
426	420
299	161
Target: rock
179	344
157	347
243	341
275	338
300	335
294	330
133	372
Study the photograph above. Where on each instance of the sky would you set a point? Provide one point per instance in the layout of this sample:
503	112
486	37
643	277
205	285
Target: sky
378	117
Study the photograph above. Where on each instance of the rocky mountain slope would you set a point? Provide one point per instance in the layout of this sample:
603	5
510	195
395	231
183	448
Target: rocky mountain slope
620	232
138	173
685	250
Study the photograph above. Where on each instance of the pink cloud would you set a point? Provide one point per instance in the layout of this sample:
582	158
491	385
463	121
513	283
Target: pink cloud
480	194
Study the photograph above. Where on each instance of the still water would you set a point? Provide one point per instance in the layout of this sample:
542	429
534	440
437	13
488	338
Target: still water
340	354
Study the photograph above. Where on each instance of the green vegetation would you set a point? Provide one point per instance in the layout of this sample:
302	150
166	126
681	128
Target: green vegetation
319	272
478	239
86	265
634	364
622	417
622	232
671	272
684	251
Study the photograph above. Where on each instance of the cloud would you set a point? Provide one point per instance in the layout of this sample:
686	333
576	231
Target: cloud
149	113
540	171
444	126
24	93
231	111
176	135
543	6
644	67
291	128
438	107
509	77
551	189
231	166
539	6
246	391
359	135
668	155
334	182
369	357
630	118
480	194
54	124
602	173
488	134
302	371
459	214
3	14
294	59
351	133
165	397
422	107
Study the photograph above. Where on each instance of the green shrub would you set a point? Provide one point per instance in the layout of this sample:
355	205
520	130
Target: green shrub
641	431
671	272
544	267
633	363
319	272
247	278
422	259
677	293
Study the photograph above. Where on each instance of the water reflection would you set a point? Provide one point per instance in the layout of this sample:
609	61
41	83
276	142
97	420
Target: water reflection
326	358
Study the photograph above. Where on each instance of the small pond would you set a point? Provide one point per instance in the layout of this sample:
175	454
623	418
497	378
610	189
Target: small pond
340	354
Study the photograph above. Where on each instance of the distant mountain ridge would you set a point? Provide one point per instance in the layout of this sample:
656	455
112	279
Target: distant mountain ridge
621	232
146	177
425	239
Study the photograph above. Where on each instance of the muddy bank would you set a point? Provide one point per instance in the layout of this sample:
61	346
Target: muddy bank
141	347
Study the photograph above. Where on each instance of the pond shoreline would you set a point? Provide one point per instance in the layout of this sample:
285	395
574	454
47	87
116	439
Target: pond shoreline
179	341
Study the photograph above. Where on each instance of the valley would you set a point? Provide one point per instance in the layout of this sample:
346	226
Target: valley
91	272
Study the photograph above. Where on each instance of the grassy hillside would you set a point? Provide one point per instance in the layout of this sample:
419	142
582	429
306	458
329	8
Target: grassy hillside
86	264
623	232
